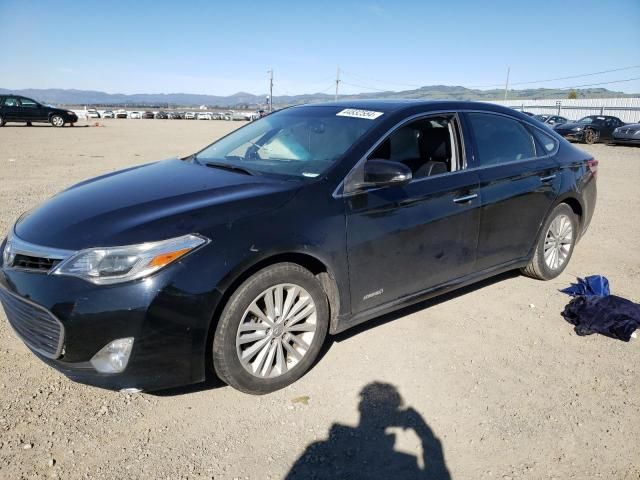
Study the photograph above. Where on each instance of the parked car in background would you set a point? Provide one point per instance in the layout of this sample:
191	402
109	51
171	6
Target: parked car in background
108	114
176	115
551	120
135	115
189	116
93	113
628	134
122	114
205	116
241	116
162	115
590	129
243	256
148	115
16	108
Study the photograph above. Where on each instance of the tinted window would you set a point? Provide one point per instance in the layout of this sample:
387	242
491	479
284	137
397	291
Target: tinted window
500	139
10	102
547	141
28	103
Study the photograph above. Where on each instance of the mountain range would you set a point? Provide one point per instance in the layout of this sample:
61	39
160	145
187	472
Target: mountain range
243	99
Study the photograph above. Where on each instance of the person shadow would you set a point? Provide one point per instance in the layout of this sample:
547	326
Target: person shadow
367	450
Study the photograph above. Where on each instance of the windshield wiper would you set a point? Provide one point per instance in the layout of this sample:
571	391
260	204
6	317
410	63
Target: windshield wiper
233	168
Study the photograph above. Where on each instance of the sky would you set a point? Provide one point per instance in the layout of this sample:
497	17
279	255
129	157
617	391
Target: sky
223	47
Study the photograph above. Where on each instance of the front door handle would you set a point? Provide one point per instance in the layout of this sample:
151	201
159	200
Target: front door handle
466	198
547	178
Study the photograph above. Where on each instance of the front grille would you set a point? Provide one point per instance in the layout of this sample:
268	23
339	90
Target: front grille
41	264
35	325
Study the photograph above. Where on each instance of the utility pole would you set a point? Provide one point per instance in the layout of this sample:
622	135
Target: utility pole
506	86
270	72
335	98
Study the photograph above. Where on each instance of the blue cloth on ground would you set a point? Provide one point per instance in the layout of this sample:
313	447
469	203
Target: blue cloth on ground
593	285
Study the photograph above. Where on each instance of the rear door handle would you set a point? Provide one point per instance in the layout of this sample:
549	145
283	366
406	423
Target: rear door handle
466	198
547	178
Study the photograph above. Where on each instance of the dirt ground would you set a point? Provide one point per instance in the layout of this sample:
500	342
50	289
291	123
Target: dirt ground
490	382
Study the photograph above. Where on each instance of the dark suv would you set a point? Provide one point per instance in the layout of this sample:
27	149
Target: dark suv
243	256
14	108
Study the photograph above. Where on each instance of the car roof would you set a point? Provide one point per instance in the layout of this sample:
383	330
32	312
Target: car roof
398	105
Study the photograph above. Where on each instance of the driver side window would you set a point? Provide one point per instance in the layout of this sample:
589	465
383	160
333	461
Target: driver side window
428	146
28	103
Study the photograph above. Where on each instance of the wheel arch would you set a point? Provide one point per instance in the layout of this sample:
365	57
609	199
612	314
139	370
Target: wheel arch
313	263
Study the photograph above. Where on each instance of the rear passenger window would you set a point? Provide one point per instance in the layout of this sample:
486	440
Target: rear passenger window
10	102
547	141
500	139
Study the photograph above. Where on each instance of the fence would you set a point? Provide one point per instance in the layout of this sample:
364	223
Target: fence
626	109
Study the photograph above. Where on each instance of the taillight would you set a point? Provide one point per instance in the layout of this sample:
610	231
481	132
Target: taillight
593	166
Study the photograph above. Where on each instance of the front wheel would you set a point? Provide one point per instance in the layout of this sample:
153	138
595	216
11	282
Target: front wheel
271	330
57	121
555	245
2	121
590	136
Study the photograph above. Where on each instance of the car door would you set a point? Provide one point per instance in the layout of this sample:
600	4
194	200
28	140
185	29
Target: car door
519	181
30	110
405	239
11	108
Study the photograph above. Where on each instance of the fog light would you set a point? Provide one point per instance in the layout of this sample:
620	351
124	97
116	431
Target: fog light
113	358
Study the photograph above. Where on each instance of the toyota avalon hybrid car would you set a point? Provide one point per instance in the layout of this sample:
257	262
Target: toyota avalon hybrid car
244	256
14	108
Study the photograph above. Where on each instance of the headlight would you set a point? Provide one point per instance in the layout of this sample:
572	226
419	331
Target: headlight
70	112
576	129
7	254
105	266
636	133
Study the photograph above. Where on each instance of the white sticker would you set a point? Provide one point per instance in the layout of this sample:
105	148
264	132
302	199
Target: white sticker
354	112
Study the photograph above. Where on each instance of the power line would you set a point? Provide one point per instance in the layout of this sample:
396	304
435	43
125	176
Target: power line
372	80
561	78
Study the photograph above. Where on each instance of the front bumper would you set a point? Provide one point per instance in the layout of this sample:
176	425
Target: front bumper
169	326
626	140
571	135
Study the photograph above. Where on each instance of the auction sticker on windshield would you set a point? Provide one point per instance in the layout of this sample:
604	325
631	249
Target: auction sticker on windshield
354	112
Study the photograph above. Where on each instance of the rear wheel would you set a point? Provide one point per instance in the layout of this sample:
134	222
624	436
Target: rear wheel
590	136
555	245
271	330
57	121
2	121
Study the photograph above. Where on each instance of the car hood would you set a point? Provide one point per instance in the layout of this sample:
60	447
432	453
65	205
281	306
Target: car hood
151	202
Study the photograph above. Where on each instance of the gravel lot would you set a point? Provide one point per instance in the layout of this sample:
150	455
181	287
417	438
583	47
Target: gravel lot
493	381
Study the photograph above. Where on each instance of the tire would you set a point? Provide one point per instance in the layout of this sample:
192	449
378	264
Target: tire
269	364
590	136
57	121
2	121
544	267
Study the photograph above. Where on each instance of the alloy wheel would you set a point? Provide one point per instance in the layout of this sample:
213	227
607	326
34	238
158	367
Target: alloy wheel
276	331
57	121
558	242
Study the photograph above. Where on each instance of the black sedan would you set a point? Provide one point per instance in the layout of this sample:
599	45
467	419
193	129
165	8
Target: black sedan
15	108
148	115
244	256
627	135
161	115
591	129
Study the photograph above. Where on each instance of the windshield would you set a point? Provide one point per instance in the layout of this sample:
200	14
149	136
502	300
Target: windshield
589	120
299	141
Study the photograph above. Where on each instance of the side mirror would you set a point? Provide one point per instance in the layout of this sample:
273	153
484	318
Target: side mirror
382	173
